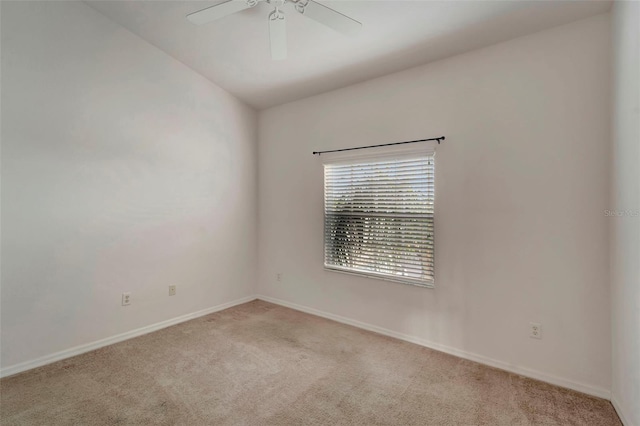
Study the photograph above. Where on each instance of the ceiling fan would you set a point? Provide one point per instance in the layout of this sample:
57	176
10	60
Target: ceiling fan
277	23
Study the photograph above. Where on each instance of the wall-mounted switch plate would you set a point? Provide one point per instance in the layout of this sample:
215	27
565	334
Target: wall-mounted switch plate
172	290
126	299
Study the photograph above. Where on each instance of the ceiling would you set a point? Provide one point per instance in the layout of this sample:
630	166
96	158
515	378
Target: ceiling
234	51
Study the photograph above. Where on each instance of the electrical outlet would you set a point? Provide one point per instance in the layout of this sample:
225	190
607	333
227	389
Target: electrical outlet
126	299
172	290
535	330
279	276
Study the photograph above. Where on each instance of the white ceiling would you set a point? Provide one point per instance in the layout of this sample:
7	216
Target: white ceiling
234	51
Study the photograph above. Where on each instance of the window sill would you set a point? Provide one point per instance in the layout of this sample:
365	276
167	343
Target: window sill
380	277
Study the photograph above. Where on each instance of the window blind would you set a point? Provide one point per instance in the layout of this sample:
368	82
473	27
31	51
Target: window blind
379	218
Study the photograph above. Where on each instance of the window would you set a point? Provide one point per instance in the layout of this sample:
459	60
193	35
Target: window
378	218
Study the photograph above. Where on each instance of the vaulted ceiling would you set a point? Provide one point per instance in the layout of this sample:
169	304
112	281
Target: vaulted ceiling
234	51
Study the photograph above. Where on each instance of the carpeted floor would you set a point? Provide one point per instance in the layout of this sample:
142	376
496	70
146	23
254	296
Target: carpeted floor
262	364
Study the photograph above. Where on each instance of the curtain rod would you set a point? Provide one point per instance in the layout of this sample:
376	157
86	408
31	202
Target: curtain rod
439	139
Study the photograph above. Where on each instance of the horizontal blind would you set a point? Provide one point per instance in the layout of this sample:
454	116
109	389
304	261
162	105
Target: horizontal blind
379	218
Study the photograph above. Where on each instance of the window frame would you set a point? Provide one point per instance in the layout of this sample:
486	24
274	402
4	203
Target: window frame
360	159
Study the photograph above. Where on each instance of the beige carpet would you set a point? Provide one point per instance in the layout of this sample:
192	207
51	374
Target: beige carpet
261	364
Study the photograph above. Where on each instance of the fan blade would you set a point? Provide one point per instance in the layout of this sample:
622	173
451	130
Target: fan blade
327	16
278	35
219	10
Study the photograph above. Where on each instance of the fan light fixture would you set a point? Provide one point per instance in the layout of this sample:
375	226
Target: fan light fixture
277	19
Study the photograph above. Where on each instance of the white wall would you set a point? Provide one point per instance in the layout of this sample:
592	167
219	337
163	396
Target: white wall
522	184
122	170
625	228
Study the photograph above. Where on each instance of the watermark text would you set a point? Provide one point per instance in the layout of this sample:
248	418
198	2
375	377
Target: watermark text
622	213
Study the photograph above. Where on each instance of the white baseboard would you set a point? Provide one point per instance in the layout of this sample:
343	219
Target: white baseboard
623	417
77	350
523	371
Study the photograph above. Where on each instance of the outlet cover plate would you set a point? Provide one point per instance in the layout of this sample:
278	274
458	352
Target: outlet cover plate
535	330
